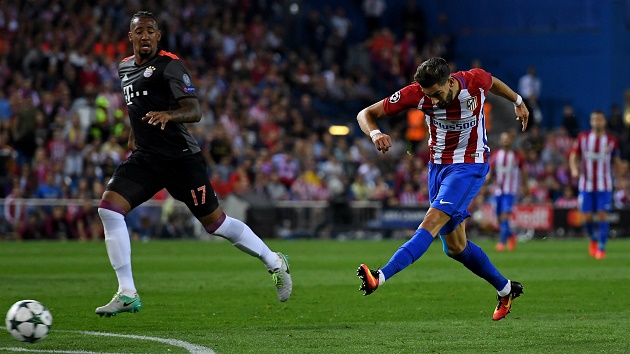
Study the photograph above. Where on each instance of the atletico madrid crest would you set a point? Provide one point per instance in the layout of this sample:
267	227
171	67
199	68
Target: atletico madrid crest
471	103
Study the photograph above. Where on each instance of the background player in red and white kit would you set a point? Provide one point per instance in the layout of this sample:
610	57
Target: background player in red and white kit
506	165
596	150
453	105
160	97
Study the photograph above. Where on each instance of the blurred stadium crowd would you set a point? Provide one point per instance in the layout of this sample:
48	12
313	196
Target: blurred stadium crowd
271	81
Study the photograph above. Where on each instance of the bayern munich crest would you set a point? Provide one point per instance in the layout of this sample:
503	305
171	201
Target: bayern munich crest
149	71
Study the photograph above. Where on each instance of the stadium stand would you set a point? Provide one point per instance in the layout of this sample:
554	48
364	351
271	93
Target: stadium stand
271	79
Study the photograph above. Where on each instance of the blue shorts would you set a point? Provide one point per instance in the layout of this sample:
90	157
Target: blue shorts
591	202
504	202
453	187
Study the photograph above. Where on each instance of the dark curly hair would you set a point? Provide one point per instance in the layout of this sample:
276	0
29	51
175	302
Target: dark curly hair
433	71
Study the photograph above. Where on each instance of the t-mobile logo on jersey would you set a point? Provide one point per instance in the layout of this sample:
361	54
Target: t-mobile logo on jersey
129	93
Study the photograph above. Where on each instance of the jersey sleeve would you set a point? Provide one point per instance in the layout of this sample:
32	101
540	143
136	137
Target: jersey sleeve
575	148
481	78
178	79
403	99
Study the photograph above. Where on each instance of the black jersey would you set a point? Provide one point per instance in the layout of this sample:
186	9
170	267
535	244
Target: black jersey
157	85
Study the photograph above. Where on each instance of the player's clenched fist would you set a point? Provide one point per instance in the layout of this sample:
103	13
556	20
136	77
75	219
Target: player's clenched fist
382	142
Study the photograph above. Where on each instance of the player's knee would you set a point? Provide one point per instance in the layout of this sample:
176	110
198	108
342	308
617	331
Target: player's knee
453	247
108	210
212	223
434	220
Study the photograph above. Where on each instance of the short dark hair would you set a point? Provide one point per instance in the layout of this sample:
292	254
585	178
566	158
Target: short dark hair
433	71
599	111
143	14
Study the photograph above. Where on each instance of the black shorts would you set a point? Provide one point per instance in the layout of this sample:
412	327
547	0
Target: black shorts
142	175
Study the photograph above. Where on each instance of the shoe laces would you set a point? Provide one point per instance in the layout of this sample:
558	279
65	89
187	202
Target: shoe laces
503	300
277	278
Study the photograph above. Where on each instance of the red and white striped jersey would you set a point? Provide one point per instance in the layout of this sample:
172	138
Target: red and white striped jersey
596	153
506	165
457	134
14	212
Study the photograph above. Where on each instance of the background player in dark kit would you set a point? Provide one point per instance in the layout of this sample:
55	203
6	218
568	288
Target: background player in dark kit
160	97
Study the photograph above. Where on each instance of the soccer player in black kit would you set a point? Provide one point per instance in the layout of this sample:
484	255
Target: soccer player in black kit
161	97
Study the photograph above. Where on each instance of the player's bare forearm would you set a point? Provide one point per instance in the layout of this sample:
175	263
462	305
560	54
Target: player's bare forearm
573	165
368	116
572	161
618	166
501	89
189	111
525	181
367	121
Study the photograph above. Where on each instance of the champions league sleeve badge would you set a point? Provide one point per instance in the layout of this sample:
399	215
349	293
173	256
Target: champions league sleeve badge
395	97
186	79
189	87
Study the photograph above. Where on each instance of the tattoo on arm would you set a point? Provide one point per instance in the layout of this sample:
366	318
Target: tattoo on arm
189	111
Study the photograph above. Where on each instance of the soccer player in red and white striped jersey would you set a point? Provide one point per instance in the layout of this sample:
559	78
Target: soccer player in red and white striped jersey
591	159
453	106
507	167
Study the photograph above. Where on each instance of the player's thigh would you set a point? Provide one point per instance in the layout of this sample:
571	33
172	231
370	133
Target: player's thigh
499	201
456	190
586	202
188	182
603	201
135	180
507	204
434	177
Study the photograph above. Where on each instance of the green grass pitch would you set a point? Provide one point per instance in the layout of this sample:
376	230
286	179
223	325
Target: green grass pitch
210	294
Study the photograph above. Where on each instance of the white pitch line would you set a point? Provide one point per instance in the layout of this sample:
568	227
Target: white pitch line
18	349
192	348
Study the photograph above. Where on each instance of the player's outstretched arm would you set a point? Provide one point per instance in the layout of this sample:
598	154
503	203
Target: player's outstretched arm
503	90
189	111
524	181
367	121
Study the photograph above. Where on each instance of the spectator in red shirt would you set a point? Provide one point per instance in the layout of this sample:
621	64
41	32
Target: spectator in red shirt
221	187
